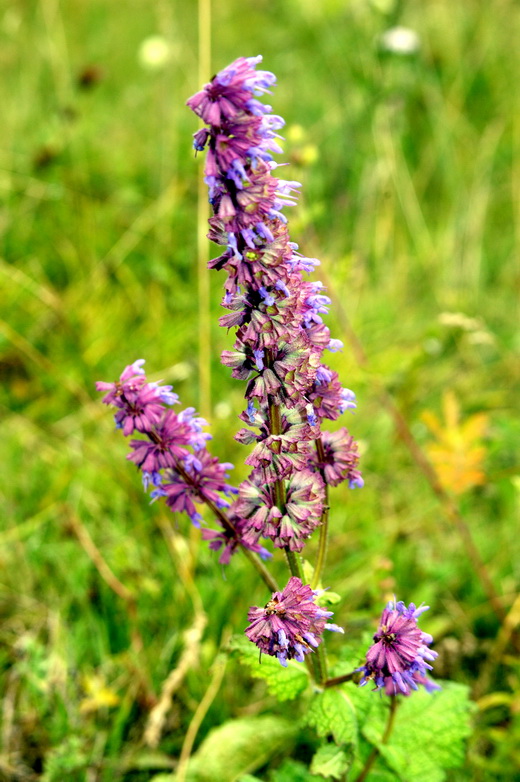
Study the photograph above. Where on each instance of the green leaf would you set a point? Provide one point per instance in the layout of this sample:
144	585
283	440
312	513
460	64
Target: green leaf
291	771
284	683
145	760
379	771
239	747
332	713
308	571
428	735
64	761
328	598
330	761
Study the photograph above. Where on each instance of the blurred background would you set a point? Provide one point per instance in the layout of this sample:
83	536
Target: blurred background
403	127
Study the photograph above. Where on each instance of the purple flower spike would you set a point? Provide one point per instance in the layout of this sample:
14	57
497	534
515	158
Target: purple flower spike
397	660
278	316
290	625
140	404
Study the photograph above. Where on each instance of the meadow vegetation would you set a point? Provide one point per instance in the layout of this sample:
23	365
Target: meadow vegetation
410	171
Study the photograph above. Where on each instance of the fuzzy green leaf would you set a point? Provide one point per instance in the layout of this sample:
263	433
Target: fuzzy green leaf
291	771
238	747
330	761
332	713
284	683
428	735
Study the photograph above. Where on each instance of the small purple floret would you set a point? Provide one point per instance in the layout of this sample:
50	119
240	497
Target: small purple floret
397	660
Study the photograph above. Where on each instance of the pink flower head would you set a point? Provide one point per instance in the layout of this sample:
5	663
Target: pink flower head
230	90
300	515
397	660
290	625
204	478
167	442
340	460
329	397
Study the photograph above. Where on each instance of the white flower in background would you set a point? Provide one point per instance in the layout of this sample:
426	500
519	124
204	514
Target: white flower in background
478	334
223	410
460	320
481	338
154	53
400	40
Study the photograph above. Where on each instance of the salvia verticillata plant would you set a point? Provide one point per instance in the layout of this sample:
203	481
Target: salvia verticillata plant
275	309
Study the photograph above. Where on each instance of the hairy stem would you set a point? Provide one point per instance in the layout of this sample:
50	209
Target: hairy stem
337	680
318	659
375	752
324	523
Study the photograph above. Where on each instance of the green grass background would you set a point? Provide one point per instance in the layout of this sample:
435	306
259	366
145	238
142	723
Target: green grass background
411	185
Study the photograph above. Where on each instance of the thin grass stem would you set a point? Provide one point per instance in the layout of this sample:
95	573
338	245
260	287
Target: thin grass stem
126	595
324	524
376	751
219	668
204	306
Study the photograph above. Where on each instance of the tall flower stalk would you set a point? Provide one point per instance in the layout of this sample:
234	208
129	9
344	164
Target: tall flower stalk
280	340
280	334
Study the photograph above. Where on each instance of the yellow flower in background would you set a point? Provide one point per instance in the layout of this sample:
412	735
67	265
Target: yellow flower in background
99	696
458	453
303	153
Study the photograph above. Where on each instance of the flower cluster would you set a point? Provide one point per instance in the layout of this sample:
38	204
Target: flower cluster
291	624
171	453
280	334
397	661
338	458
280	340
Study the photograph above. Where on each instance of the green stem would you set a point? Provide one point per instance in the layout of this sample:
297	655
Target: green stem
295	563
375	752
347	677
324	525
261	569
204	304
